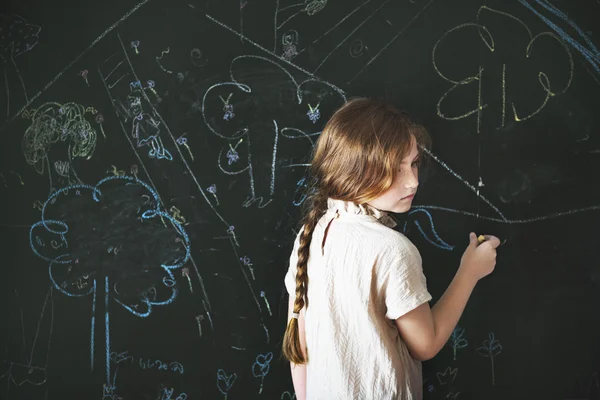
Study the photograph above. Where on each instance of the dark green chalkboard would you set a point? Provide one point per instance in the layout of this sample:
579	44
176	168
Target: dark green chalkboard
154	160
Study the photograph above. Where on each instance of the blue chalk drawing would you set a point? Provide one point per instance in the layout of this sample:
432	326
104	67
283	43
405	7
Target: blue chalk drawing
261	367
61	261
313	113
428	231
225	382
591	53
456	339
300	192
167	394
490	349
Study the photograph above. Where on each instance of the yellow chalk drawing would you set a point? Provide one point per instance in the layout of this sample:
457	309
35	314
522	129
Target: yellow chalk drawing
545	82
176	214
115	172
477	76
52	123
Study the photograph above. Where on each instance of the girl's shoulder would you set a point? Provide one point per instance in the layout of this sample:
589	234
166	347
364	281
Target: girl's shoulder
377	237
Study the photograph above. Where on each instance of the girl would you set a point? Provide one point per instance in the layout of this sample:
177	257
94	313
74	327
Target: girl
369	324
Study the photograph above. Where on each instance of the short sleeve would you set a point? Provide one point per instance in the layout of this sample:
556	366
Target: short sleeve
404	284
290	277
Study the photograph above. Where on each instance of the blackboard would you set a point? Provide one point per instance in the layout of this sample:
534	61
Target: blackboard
154	162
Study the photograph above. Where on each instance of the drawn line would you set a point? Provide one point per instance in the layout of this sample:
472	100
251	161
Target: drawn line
503	93
51	325
460	178
275	25
513	221
115	68
350	34
106	32
22	326
37	332
479	109
107	329
289	19
20	77
391	41
92	334
160	58
274	158
237	257
259	46
336	25
117	81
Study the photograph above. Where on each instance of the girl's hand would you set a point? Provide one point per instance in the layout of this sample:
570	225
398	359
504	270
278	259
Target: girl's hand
479	260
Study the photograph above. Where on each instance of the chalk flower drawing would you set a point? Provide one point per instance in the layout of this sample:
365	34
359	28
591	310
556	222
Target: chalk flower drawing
490	349
447	377
457	341
531	48
225	382
261	367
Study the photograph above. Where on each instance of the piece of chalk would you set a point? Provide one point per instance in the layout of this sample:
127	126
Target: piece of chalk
480	239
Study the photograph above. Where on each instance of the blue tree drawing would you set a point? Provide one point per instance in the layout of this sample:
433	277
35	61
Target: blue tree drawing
490	349
111	238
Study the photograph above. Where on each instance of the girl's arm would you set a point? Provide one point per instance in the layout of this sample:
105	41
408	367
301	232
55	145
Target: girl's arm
425	331
298	370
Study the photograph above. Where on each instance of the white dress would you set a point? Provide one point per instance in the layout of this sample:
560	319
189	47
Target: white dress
366	276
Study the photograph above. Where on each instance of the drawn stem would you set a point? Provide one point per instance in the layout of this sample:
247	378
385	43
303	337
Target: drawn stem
190	283
93	328
189	151
262	379
493	375
107	328
454	349
20	78
503	93
479	109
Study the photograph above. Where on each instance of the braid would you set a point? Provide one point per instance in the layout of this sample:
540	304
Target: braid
317	205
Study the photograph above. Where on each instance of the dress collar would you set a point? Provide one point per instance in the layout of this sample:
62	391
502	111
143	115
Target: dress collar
347	207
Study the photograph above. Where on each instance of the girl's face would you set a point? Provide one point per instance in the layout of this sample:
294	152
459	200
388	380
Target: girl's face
398	198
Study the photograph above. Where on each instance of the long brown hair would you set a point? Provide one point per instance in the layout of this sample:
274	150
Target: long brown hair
355	159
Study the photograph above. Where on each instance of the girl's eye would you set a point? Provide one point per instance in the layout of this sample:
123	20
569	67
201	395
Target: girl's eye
416	163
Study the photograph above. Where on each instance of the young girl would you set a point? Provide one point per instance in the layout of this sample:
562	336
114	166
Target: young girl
369	323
